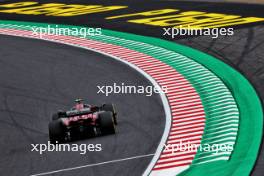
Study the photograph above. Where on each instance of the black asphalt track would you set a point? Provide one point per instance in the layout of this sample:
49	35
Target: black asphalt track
243	51
37	78
135	6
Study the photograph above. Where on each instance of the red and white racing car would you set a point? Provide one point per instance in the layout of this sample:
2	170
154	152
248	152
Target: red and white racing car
81	121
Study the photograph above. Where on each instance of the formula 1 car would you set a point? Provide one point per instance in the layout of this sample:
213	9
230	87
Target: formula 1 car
81	121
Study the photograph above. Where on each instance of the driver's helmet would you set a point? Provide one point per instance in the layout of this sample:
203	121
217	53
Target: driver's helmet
79	104
78	100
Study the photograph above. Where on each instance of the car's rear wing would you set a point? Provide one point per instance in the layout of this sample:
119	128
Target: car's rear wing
78	113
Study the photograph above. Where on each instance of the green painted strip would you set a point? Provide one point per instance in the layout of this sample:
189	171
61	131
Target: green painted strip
244	155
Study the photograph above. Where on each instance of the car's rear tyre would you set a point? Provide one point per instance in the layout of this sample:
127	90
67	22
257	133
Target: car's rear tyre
106	122
55	116
111	107
58	115
56	132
